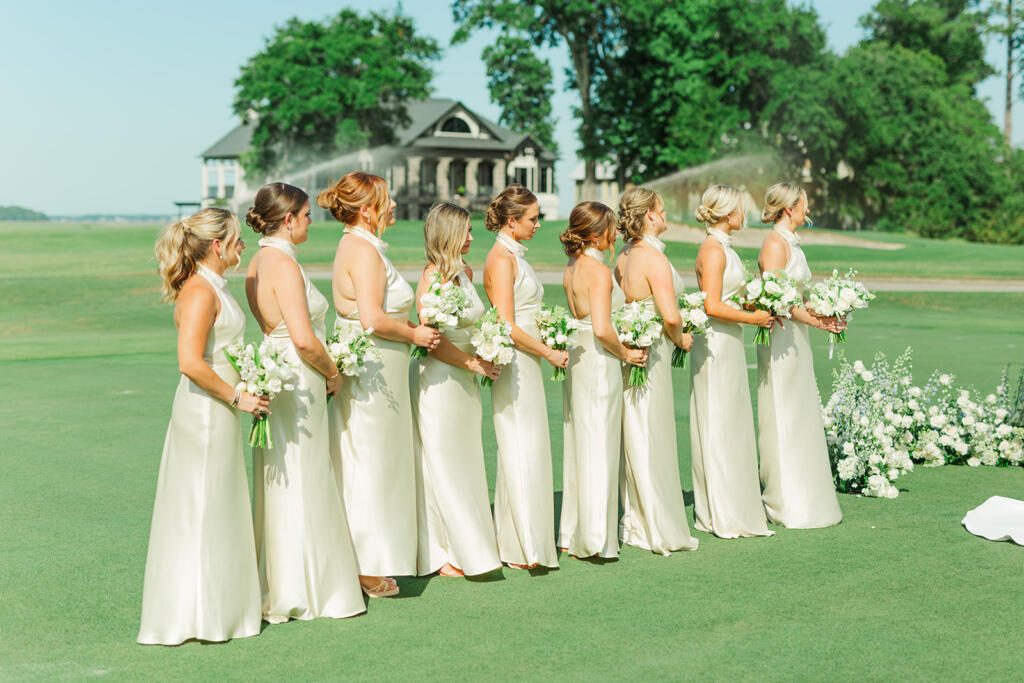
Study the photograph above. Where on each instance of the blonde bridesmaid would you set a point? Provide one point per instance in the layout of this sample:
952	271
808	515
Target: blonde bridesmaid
306	561
524	514
456	532
371	420
795	472
592	391
201	581
654	512
726	493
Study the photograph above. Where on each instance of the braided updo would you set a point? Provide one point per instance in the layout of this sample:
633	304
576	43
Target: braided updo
634	205
587	221
778	198
355	190
273	202
717	202
512	202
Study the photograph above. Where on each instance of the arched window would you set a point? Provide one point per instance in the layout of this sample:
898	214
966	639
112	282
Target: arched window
455	125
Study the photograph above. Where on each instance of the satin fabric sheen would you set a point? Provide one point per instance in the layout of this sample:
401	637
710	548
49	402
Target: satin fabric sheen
592	441
371	441
453	502
201	577
524	509
654	510
307	566
726	491
795	471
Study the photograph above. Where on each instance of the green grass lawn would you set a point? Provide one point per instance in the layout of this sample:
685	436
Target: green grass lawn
898	590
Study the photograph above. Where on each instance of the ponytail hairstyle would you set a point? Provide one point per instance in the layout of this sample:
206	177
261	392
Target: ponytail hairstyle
444	232
717	202
183	244
273	202
634	205
778	198
587	221
512	202
355	190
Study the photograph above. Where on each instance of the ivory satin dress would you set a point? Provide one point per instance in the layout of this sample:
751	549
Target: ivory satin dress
795	471
201	579
592	440
654	511
306	562
371	440
726	491
524	508
453	502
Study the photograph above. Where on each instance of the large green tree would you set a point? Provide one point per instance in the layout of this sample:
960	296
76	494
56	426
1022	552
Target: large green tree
318	88
1007	22
519	82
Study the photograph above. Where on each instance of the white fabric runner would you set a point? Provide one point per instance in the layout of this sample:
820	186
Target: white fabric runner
997	519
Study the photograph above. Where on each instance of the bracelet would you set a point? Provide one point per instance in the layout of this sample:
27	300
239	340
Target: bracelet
337	374
236	399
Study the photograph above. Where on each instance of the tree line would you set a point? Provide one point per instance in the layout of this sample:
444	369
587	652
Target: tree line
891	133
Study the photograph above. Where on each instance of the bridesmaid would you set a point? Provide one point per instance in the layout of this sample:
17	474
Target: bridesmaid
456	532
592	391
654	511
524	512
795	471
201	580
371	421
727	498
306	562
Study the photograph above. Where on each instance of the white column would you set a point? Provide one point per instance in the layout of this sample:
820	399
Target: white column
472	169
443	164
500	180
414	175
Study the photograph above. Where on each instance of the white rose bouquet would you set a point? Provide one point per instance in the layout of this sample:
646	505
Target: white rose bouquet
839	296
493	341
264	371
350	349
638	327
774	292
555	325
442	305
695	321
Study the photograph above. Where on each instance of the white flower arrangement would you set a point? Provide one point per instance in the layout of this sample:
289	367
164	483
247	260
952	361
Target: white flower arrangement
839	296
441	307
774	292
264	371
695	321
493	341
351	348
555	325
638	327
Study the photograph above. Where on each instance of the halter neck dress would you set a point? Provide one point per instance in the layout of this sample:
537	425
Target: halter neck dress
726	492
201	579
592	440
371	439
306	561
795	471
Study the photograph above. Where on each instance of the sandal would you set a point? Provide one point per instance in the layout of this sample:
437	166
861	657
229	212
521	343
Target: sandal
384	589
450	569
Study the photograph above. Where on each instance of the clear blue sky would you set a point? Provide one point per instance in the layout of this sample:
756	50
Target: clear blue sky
105	106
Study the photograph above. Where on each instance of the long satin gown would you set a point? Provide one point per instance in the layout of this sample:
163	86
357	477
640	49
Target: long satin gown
453	503
795	471
654	511
371	440
306	561
726	491
592	441
201	577
524	507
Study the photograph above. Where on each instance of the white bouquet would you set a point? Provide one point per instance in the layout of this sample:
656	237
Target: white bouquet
695	321
555	324
838	296
442	305
264	371
638	327
493	341
774	292
350	349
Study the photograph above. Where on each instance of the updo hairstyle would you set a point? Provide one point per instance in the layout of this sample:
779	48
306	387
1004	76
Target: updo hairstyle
512	202
183	244
273	202
778	198
355	190
718	202
444	232
587	221
633	206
